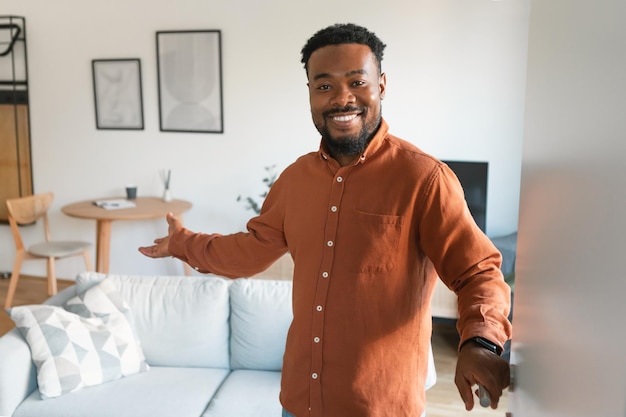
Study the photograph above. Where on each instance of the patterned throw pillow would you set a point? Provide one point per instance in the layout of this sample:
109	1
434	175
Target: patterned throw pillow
88	341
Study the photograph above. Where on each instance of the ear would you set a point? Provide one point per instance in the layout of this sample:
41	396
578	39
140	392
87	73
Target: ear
382	85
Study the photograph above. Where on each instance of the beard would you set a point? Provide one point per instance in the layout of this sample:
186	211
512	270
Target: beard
349	145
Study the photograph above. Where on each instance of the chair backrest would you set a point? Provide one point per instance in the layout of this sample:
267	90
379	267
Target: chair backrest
27	210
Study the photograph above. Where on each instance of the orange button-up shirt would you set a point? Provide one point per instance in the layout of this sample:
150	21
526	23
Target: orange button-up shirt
368	241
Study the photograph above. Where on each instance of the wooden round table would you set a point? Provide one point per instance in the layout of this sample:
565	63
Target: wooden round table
145	208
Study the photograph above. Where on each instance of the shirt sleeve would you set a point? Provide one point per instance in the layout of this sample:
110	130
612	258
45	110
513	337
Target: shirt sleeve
465	259
240	254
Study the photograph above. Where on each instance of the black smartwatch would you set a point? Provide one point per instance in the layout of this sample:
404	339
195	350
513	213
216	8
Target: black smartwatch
487	344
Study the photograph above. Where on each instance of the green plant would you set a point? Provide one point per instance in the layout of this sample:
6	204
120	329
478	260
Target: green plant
254	204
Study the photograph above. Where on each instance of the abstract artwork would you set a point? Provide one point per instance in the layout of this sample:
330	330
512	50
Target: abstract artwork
118	93
190	81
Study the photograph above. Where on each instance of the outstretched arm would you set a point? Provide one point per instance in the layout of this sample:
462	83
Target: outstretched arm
236	255
160	248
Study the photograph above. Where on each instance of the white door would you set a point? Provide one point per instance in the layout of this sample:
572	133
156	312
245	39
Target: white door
569	341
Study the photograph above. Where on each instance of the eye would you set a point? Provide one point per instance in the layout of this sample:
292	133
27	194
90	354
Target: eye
323	87
358	83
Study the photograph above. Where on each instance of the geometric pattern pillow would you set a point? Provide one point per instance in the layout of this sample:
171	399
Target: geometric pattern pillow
88	341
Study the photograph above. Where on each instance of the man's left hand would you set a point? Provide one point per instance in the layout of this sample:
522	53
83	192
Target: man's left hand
477	365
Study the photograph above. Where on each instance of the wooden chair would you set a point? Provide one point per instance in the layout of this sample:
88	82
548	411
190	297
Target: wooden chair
27	210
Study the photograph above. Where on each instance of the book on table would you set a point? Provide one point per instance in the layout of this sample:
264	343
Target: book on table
114	204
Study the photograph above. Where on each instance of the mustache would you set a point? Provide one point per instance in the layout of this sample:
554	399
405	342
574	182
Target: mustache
347	109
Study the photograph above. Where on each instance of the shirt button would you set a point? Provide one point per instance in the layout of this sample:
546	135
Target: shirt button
333	209
339	179
316	339
318	308
325	274
314	375
330	243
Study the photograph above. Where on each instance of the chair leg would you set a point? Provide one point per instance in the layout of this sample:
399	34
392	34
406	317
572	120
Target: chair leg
88	263
15	276
52	279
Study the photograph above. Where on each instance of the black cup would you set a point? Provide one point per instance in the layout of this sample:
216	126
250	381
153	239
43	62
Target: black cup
131	192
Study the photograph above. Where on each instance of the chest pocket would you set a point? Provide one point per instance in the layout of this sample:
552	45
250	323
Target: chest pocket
371	242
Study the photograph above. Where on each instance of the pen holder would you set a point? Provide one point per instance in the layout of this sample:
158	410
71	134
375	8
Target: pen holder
167	196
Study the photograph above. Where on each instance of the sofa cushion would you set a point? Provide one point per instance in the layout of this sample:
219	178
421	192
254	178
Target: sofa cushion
247	394
260	317
89	342
507	245
181	321
162	391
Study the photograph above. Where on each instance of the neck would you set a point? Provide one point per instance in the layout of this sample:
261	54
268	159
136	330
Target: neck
345	160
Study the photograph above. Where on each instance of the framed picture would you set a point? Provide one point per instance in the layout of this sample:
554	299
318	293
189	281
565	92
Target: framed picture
118	93
189	67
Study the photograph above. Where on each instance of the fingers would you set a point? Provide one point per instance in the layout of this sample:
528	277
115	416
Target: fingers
149	251
172	222
486	399
160	249
495	384
468	400
465	390
489	391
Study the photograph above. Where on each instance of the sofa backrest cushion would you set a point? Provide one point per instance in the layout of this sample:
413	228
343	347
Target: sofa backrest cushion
180	321
260	317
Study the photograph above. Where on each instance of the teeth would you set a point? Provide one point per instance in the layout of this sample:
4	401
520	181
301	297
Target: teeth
345	118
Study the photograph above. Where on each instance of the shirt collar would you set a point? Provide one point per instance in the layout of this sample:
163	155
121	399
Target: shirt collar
374	145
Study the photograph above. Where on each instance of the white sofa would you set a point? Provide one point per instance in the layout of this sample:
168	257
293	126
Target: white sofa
214	347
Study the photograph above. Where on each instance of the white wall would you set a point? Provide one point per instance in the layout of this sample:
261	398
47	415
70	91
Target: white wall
569	341
456	79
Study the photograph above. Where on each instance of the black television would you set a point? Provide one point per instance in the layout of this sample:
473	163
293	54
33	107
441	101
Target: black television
473	177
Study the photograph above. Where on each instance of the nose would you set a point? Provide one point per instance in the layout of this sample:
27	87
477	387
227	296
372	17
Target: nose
342	97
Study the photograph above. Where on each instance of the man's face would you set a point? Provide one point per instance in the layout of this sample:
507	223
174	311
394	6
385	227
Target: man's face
345	92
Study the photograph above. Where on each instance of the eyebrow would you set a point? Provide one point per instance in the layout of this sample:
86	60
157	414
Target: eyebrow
347	74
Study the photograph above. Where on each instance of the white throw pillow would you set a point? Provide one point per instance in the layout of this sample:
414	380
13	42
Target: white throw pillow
88	341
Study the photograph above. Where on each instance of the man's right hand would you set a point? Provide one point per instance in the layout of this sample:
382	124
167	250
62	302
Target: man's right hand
160	249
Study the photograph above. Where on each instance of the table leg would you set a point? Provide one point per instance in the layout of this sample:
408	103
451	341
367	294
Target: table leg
187	269
103	245
186	266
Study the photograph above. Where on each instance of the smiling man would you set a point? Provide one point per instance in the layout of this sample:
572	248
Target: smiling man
345	89
371	222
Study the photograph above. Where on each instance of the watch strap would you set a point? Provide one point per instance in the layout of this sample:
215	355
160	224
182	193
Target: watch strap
485	343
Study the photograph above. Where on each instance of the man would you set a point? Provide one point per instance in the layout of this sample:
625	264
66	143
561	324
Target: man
370	221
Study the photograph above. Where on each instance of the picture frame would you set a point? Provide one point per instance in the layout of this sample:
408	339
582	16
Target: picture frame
118	93
189	72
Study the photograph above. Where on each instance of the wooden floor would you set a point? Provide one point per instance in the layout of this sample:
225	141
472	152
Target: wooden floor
30	290
442	400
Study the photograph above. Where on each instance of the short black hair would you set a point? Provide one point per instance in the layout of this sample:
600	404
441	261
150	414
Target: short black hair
342	33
